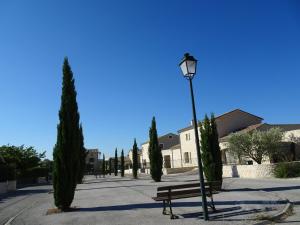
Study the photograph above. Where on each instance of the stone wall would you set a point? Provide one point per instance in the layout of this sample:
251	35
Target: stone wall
249	171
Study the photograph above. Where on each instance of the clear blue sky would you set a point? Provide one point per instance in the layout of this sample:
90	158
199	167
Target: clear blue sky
125	55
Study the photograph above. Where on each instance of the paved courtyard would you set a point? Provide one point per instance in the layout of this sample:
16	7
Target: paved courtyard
116	200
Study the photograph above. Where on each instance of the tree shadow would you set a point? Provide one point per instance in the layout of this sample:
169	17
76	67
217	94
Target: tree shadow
174	205
10	195
102	180
287	188
99	188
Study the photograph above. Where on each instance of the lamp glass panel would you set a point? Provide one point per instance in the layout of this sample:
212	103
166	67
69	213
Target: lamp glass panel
191	65
184	68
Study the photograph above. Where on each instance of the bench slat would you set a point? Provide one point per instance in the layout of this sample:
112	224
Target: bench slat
177	197
182	186
181	192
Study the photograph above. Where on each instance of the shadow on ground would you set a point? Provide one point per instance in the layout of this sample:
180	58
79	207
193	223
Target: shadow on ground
174	205
124	186
266	189
27	192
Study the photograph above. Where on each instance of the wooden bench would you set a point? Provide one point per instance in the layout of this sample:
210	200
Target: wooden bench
168	193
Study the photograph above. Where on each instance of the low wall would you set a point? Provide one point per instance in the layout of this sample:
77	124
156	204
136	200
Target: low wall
250	171
3	187
129	171
7	186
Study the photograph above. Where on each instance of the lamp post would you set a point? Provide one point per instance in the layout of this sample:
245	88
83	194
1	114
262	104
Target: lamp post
188	67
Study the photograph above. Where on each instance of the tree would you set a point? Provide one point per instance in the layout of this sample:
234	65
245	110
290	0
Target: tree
216	152
24	158
134	159
206	149
110	166
122	164
116	162
256	144
103	166
82	156
155	155
67	148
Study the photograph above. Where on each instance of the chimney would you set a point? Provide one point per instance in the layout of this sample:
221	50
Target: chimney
192	122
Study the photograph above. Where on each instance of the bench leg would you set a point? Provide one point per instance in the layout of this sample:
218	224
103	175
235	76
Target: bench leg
212	204
164	209
172	216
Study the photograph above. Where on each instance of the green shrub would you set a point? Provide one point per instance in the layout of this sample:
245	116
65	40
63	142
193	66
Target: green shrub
287	170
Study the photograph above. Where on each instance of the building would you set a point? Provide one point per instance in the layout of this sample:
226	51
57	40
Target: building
227	123
166	142
92	159
179	151
131	158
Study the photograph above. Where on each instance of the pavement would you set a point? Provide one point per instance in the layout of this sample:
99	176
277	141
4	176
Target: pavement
115	200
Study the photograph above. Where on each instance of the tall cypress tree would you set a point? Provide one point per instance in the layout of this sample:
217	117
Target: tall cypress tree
103	166
216	153
67	147
109	165
122	163
116	162
206	151
82	156
134	159
155	154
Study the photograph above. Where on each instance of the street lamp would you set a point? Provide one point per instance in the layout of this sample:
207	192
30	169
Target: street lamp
188	67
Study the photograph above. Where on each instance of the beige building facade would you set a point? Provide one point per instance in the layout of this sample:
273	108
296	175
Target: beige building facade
179	151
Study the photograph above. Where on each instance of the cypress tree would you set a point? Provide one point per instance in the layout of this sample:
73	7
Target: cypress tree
103	166
67	147
155	154
116	162
82	156
109	165
206	151
122	164
216	153
134	159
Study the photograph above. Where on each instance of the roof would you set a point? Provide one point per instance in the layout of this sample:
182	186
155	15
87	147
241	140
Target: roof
176	146
245	130
219	117
93	149
161	137
225	114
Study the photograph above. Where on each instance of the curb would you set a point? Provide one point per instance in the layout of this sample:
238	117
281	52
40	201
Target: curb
287	210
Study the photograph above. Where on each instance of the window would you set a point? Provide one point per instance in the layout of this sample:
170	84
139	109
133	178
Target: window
187	137
161	146
186	157
170	136
91	160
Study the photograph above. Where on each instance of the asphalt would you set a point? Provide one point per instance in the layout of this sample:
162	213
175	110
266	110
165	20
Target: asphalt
114	200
